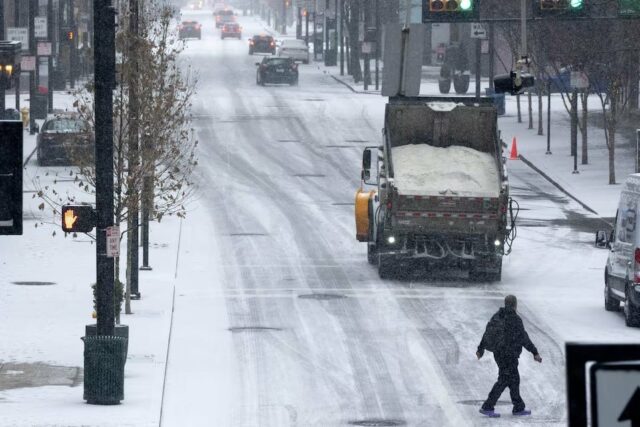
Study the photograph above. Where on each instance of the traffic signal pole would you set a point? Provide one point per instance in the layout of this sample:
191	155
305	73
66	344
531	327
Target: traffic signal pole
134	158
33	6
16	23
50	33
104	60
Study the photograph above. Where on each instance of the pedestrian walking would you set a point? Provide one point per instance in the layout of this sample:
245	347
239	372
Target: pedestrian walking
505	336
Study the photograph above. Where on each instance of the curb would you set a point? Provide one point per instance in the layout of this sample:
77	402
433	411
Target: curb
24	165
351	88
555	184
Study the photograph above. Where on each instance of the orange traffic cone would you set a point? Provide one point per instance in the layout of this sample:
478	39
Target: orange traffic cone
514	150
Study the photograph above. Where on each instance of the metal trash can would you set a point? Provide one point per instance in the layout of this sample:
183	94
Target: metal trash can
498	100
104	359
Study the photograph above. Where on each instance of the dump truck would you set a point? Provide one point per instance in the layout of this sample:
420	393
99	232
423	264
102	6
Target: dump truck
439	194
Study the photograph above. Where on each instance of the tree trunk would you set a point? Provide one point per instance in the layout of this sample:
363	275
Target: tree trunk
584	129
612	152
540	113
519	110
354	28
530	105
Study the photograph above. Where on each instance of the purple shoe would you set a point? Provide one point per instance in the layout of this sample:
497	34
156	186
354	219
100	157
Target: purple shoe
522	413
489	413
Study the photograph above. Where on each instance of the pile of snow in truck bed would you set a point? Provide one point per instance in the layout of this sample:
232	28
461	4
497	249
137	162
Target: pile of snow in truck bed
420	169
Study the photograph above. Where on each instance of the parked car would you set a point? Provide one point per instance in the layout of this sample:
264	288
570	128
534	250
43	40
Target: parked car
622	271
261	43
65	139
295	49
231	30
274	69
224	16
190	30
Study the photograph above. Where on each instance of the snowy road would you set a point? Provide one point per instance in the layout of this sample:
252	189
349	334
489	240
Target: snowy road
280	321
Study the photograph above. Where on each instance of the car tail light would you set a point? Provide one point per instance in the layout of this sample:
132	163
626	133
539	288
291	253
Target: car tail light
272	44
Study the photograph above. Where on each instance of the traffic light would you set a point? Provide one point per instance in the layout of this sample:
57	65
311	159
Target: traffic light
10	177
560	8
449	10
508	83
70	36
629	8
78	218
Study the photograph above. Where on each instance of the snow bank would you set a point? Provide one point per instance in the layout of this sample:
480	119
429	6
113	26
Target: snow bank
420	169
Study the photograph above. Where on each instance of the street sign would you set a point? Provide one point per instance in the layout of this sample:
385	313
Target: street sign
28	63
578	357
43	48
19	34
615	394
478	31
40	24
113	241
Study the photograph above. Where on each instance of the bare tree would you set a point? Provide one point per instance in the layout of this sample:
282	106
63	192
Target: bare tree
165	90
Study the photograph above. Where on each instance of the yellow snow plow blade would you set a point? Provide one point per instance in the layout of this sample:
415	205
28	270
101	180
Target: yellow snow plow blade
362	214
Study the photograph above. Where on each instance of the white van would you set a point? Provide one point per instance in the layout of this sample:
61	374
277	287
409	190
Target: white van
622	272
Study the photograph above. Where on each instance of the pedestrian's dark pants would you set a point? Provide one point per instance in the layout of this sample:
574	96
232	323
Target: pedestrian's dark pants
508	376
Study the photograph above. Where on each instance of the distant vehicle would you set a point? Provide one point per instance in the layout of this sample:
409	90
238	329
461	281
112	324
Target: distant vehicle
295	49
190	30
262	44
274	69
231	30
218	7
622	271
65	139
224	16
196	5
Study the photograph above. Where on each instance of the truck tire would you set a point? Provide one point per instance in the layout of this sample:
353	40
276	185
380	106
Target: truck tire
631	312
461	83
610	302
384	266
372	254
444	85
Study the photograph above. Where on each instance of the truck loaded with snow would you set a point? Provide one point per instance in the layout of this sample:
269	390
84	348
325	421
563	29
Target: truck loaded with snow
442	197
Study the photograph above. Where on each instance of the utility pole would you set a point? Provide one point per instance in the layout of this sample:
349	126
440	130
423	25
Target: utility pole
341	26
284	17
378	38
33	6
134	158
2	88
16	17
105	76
73	45
50	33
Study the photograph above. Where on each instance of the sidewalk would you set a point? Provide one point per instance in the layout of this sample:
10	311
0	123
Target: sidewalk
46	301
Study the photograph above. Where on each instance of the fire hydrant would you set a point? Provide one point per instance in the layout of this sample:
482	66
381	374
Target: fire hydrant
24	113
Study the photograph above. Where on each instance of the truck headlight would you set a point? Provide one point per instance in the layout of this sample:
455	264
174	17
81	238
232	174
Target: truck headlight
497	242
391	240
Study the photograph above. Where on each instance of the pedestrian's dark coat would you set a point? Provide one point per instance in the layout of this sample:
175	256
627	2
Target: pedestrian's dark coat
515	336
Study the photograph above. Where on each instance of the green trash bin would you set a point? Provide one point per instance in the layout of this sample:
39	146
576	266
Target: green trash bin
104	359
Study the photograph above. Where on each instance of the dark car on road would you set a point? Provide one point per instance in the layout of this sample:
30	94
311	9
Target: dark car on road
262	44
190	30
65	139
274	69
231	30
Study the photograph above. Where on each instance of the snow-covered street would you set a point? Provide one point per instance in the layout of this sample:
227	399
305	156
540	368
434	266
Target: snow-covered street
262	303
